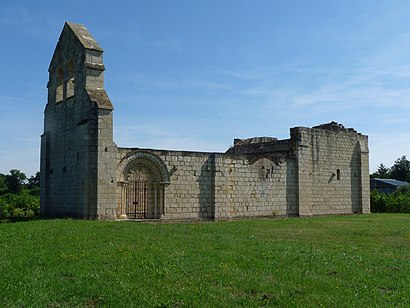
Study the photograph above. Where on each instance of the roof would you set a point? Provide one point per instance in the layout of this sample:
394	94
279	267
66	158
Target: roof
392	182
84	36
100	97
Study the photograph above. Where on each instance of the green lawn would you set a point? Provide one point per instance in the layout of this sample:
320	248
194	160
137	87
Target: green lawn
345	261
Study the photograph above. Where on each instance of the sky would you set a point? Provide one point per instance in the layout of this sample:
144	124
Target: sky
194	75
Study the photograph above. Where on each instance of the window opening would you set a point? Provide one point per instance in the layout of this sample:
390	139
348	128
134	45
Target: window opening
70	79
60	85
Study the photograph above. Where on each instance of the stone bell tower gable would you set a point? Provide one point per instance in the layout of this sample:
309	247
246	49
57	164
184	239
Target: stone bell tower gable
77	149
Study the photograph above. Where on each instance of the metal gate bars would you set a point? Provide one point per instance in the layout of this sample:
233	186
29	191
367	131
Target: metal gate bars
141	199
137	200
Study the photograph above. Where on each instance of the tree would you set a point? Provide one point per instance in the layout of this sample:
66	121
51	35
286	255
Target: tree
34	181
33	184
3	184
15	181
382	172
401	169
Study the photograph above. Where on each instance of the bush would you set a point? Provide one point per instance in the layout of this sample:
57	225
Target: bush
397	202
19	206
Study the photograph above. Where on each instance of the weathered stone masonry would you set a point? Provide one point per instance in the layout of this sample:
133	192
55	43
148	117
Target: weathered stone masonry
77	150
319	170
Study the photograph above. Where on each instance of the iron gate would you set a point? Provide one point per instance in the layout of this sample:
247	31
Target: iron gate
137	200
141	199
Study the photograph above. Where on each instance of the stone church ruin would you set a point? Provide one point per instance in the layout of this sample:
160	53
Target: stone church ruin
317	171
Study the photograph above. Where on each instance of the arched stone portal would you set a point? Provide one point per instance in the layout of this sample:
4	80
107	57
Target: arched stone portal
143	177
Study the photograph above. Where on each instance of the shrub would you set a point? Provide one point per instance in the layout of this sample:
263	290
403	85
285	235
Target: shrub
19	206
397	202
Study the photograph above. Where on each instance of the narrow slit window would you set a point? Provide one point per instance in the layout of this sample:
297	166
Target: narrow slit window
338	174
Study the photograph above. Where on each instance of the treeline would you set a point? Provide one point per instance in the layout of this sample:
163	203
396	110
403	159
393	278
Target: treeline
398	201
19	196
399	171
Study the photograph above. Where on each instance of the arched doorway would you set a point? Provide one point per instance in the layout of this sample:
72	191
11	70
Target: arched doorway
141	188
143	195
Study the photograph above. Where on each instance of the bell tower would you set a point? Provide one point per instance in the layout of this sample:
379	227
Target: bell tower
77	165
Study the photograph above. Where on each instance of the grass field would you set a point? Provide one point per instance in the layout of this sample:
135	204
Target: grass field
345	261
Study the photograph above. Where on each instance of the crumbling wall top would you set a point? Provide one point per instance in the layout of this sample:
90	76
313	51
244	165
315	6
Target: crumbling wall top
334	126
252	140
259	145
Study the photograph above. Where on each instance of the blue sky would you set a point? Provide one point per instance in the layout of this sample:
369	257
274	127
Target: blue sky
194	74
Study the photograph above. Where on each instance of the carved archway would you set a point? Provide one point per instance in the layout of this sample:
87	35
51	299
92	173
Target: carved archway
143	177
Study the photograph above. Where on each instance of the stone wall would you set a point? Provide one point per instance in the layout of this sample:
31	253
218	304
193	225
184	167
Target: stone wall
220	186
318	171
106	151
246	188
332	164
189	193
